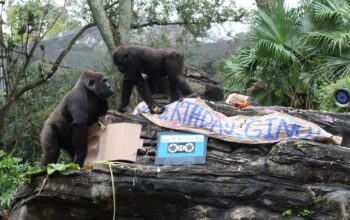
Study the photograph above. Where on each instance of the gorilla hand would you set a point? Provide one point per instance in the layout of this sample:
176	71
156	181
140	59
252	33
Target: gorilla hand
157	110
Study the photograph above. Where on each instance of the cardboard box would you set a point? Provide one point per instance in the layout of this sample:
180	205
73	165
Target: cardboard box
118	141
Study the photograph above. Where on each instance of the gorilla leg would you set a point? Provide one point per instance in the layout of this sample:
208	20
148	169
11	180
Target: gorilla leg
181	84
70	150
175	93
80	133
145	93
50	146
174	68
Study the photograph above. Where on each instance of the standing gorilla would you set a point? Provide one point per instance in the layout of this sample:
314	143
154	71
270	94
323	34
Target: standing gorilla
156	64
67	126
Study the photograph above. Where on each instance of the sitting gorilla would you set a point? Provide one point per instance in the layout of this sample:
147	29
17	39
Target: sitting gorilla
67	126
156	64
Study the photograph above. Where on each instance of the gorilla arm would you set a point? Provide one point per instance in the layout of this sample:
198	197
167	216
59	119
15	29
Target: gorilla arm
79	128
133	77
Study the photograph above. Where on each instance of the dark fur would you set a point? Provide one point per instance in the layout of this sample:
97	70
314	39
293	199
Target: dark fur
67	125
156	64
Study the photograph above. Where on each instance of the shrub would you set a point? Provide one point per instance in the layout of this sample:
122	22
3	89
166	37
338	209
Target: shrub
11	175
325	95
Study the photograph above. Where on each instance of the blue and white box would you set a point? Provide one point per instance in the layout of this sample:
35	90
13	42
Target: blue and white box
181	148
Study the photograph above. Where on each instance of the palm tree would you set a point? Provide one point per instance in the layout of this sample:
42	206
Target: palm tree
295	51
328	32
274	59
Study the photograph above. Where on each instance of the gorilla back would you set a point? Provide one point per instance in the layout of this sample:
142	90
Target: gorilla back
157	64
67	126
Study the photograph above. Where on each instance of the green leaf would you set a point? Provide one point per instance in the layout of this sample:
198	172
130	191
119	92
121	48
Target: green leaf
288	213
34	173
2	153
64	169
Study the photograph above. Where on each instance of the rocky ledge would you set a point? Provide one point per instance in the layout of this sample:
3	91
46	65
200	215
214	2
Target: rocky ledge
293	179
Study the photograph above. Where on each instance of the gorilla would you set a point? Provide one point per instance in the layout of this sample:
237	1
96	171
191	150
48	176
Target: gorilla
67	126
133	61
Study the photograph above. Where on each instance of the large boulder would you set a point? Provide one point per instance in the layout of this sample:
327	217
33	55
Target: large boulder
295	178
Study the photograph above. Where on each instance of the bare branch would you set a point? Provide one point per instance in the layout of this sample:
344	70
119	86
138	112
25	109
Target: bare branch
111	5
55	21
165	23
55	65
34	46
67	49
160	23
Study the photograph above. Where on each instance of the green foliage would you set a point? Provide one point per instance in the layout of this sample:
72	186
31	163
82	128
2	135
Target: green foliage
188	196
325	95
63	169
288	213
34	16
239	67
296	52
197	16
304	213
26	118
11	175
316	199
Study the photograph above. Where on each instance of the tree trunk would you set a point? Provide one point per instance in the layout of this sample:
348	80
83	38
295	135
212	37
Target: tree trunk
103	24
124	21
106	32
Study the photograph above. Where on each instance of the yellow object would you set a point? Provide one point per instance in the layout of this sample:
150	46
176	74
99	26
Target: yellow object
156	109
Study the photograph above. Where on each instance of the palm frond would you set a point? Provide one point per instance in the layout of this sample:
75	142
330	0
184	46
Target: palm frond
276	25
266	49
331	41
339	66
326	11
237	71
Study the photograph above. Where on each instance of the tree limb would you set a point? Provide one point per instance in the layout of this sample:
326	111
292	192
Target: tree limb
55	65
162	23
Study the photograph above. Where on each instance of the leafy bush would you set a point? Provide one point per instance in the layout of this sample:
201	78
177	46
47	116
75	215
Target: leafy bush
325	95
11	175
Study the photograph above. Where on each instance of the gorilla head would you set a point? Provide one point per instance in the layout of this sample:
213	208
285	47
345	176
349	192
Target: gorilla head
97	84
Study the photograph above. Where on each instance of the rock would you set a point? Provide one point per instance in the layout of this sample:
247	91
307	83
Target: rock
296	178
205	85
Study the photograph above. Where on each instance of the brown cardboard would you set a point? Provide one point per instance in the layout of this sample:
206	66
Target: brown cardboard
118	141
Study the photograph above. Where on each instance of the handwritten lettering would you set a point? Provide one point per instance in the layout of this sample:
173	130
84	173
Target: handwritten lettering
195	114
269	135
272	127
204	123
228	128
257	131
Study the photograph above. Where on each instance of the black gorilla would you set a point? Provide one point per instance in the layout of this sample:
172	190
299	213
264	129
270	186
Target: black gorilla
157	64
67	126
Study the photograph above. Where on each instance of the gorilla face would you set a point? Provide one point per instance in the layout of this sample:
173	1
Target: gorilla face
100	87
120	58
122	65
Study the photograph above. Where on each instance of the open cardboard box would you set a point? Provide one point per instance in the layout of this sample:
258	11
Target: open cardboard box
118	141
